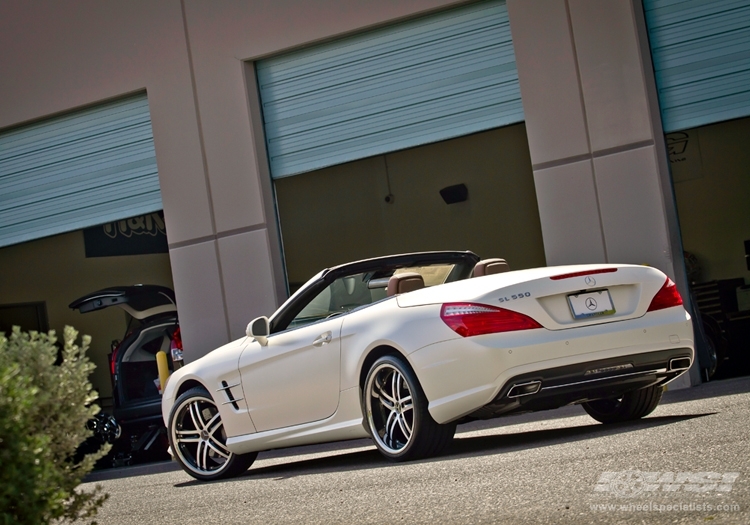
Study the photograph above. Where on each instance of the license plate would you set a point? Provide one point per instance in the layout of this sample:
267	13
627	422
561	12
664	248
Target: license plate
591	304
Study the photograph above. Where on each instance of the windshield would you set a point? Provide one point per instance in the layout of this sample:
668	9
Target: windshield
361	289
342	295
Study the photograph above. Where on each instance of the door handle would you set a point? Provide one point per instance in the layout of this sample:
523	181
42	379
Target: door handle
323	339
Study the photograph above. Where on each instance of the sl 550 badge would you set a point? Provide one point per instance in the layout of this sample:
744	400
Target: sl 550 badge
515	296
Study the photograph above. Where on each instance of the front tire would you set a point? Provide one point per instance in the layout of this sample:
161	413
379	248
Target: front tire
396	413
198	439
632	405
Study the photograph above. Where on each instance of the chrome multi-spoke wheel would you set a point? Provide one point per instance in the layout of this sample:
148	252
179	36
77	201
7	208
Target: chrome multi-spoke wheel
198	438
390	408
396	413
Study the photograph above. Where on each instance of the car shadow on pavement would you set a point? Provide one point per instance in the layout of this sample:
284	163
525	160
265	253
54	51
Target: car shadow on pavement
461	447
358	460
490	444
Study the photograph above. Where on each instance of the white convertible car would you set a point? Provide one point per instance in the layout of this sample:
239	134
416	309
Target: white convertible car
405	347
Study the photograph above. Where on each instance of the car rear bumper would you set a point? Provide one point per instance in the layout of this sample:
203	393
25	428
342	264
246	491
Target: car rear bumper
461	376
606	378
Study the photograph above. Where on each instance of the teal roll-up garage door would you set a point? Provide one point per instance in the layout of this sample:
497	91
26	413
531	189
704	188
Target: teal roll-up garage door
428	79
701	54
85	168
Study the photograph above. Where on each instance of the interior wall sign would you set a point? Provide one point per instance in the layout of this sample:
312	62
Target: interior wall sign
134	236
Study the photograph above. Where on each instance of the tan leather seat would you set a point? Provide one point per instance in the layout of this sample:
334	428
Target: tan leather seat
404	282
490	266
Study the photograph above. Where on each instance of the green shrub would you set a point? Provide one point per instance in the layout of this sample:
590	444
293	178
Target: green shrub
44	407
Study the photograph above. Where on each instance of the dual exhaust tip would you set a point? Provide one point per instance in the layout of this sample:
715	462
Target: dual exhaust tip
679	363
524	389
529	388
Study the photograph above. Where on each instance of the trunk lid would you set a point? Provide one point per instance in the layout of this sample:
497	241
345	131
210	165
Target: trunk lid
556	297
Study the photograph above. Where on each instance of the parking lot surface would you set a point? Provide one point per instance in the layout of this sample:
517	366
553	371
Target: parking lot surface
688	462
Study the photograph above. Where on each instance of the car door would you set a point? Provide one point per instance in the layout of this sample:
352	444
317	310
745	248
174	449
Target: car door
295	378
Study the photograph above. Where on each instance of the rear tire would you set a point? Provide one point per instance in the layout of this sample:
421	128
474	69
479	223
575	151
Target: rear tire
632	405
198	440
396	415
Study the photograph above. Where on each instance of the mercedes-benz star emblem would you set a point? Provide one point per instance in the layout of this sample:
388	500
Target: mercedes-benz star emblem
590	280
591	303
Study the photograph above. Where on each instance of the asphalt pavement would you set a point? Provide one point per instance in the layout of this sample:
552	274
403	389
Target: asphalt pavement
688	462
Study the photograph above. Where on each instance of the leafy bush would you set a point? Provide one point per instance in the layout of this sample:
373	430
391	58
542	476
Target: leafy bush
45	403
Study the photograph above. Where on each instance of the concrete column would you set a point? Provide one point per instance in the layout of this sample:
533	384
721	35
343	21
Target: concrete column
595	136
226	255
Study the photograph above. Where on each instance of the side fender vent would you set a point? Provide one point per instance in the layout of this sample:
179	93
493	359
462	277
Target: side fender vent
227	389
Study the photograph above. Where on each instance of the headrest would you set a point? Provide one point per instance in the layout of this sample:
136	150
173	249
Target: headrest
404	282
490	266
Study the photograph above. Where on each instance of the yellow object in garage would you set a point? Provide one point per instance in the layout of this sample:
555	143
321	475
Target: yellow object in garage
163	366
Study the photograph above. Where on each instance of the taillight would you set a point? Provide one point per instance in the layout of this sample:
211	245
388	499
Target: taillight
666	297
177	338
114	360
468	319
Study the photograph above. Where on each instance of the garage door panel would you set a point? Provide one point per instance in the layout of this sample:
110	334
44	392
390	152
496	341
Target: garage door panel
420	81
70	172
381	46
442	128
37	225
139	179
465	111
397	89
380	112
348	81
701	56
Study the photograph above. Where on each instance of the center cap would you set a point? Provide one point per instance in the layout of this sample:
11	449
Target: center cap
204	435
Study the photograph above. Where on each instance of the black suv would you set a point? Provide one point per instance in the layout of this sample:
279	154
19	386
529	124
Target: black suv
152	326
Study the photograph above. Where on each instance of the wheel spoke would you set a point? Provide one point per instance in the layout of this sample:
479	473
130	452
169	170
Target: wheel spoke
395	382
381	394
213	441
390	425
200	455
218	448
188	436
205	455
386	402
214	424
195	414
395	424
404	426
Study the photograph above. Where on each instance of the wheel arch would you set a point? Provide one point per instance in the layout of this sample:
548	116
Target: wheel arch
187	385
375	354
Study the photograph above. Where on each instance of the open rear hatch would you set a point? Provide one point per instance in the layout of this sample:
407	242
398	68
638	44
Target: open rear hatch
141	300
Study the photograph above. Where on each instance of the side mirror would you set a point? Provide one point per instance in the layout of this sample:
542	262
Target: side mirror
259	329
